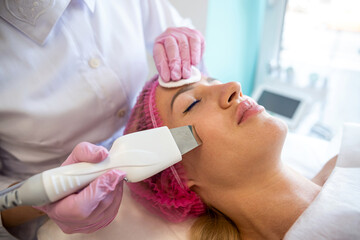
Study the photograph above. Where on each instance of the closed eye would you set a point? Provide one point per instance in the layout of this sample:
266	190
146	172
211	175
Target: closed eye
191	106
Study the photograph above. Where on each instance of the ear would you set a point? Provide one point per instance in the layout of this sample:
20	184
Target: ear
190	183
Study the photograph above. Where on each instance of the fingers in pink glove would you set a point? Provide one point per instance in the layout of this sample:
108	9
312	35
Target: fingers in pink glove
167	58
173	55
93	207
178	54
176	50
86	152
197	45
185	55
110	204
161	61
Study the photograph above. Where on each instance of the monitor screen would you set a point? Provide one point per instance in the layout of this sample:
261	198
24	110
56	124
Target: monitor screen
279	104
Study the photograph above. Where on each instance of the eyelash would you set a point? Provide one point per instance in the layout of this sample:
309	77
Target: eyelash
191	105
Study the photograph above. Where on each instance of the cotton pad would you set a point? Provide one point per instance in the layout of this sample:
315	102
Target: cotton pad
195	77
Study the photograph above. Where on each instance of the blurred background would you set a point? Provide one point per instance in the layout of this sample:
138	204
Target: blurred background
308	49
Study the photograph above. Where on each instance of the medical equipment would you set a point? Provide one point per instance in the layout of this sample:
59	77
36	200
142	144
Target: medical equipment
283	102
140	155
195	77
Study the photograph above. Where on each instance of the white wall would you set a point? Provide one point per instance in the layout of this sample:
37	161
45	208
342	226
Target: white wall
196	10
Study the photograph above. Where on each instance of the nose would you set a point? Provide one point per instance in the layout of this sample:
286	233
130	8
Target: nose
229	93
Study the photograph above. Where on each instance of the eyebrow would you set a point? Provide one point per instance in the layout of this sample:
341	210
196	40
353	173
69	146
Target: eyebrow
182	90
185	89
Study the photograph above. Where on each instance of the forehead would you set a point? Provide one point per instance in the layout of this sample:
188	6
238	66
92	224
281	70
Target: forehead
168	93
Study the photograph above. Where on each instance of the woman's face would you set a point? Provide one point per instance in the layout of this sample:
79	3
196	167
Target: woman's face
241	141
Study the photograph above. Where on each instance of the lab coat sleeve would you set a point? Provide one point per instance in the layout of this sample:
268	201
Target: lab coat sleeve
157	16
26	231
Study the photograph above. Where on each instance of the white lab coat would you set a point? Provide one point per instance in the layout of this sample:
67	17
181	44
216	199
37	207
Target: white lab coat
80	84
70	72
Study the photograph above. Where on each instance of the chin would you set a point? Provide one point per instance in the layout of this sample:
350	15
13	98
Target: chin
277	125
274	131
281	129
281	125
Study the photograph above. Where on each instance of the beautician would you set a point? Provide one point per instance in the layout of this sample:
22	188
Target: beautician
69	72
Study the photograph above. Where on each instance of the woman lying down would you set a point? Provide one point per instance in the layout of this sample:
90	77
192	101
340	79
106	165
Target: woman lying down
235	183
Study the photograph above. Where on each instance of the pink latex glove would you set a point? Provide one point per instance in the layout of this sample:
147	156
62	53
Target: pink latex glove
95	206
175	50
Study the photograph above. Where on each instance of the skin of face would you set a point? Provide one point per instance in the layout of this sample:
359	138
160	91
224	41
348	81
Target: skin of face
232	157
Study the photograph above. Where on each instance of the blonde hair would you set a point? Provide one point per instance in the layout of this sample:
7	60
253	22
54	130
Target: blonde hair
214	225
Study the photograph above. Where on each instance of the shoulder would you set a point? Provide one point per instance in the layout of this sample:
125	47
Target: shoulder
325	172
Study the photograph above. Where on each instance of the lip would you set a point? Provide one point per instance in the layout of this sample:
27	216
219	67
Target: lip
246	109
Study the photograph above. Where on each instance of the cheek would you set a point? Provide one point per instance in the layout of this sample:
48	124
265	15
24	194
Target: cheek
206	169
212	127
268	136
230	155
217	136
213	162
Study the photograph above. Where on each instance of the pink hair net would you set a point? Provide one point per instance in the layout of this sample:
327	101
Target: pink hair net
166	193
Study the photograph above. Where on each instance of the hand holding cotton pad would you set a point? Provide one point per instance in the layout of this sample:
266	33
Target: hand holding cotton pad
195	77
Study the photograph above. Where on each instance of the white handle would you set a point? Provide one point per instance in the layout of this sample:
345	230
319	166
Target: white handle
63	181
140	155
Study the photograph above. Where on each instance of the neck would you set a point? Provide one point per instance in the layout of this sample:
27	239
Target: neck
269	211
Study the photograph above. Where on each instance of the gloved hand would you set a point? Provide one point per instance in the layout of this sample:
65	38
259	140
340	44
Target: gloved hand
175	50
95	206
